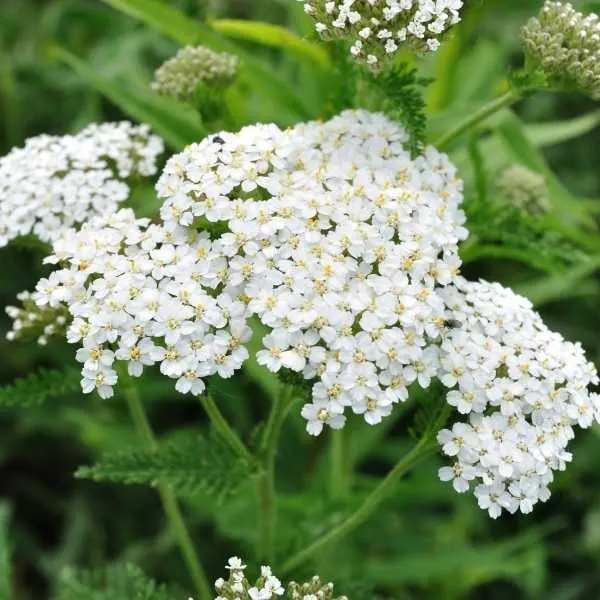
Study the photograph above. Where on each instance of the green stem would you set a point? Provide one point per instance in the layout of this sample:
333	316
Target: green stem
169	502
224	429
337	465
508	98
421	450
267	495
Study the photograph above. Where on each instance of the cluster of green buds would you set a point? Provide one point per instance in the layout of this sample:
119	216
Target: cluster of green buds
314	589
565	44
267	586
524	189
194	67
31	321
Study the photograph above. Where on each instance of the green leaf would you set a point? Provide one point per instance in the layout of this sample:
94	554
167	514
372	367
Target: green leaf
37	388
191	464
401	88
271	35
119	582
565	285
557	132
5	555
176	122
171	22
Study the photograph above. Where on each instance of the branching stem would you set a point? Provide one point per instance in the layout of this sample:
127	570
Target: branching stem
266	481
424	447
168	499
223	428
480	115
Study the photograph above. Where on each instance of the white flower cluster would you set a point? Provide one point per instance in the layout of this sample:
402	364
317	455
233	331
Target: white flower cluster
340	241
54	183
522	388
143	295
268	587
379	28
346	248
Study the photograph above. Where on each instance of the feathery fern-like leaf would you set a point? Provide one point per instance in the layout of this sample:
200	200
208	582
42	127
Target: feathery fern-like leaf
402	90
190	465
39	387
118	582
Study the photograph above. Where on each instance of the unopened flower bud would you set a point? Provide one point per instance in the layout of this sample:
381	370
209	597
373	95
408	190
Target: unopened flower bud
565	44
525	189
181	75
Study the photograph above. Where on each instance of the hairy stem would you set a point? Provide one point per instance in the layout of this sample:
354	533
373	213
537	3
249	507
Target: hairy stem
424	447
223	428
507	99
169	502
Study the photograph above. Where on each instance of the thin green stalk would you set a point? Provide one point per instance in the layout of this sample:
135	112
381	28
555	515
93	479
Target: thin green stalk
223	428
169	502
422	449
337	465
267	495
486	111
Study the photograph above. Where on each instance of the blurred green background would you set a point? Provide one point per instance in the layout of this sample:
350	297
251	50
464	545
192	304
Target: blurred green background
428	542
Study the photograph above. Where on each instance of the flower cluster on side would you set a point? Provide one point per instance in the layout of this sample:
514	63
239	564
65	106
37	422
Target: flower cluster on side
55	183
340	241
180	75
237	587
522	389
566	44
379	28
143	295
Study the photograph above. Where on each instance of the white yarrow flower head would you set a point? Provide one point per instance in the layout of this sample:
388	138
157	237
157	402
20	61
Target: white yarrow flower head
141	295
340	242
566	45
268	586
378	29
55	183
522	390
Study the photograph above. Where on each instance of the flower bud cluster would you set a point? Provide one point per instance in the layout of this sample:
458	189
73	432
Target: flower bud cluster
379	28
55	183
340	241
268	587
522	389
525	189
566	44
179	76
314	589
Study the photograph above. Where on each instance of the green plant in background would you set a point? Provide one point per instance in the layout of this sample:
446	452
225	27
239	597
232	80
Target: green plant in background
305	275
